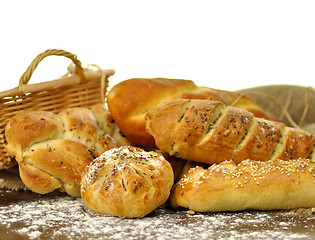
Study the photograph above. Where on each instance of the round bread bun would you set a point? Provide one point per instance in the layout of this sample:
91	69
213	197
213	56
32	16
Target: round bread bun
127	182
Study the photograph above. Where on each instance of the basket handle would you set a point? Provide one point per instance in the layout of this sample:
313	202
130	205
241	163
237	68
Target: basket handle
57	52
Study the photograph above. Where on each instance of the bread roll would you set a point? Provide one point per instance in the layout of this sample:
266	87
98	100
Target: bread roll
211	132
256	185
187	165
180	166
130	100
53	149
126	182
54	164
176	163
107	124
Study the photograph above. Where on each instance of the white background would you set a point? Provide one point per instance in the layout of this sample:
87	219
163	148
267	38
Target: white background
221	44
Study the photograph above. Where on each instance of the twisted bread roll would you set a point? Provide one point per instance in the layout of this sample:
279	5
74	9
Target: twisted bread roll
106	122
126	182
130	100
53	149
256	185
212	132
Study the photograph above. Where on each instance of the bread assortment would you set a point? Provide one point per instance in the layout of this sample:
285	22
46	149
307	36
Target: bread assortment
204	149
258	185
127	182
130	100
53	149
212	132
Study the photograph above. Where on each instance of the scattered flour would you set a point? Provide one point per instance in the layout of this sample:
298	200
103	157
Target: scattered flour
64	217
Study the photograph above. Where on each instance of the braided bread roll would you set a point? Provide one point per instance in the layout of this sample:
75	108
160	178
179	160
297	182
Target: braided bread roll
52	150
130	100
255	185
212	132
127	182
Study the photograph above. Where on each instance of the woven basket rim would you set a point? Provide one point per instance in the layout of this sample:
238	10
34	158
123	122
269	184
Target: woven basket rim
57	83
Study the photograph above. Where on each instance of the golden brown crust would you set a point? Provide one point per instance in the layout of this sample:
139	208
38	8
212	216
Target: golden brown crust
61	161
211	132
130	100
53	149
126	182
28	127
103	118
79	125
176	163
106	123
37	180
187	165
257	185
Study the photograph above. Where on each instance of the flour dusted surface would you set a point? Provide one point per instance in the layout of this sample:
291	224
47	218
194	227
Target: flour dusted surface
64	217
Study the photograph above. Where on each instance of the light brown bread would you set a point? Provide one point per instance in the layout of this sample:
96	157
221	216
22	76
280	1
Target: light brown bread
255	185
53	149
130	100
126	182
54	164
106	122
211	132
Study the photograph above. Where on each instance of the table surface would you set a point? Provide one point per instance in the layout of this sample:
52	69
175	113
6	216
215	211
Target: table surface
27	215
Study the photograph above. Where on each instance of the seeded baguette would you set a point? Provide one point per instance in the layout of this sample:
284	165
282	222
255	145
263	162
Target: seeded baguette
212	132
255	185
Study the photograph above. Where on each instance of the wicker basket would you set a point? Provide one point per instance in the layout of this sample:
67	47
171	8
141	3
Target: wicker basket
79	88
